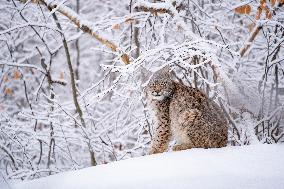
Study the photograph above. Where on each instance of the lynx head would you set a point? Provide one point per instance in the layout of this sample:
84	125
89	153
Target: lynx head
160	85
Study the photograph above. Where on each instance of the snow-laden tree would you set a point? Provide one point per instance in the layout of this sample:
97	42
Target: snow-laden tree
72	75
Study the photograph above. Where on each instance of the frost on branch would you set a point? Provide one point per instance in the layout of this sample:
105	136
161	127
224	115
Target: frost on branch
231	52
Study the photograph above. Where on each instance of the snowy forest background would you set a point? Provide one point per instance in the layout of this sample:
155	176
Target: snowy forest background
72	98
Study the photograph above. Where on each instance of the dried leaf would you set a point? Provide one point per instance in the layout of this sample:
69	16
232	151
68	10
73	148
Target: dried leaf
268	14
115	27
125	58
258	13
263	2
8	91
17	74
245	9
61	76
272	2
5	79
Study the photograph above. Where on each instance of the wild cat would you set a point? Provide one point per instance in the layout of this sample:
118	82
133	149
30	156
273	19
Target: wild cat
186	114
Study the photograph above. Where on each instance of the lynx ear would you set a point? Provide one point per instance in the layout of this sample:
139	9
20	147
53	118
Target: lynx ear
165	71
145	74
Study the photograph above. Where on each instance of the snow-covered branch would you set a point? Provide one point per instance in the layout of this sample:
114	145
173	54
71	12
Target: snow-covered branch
85	25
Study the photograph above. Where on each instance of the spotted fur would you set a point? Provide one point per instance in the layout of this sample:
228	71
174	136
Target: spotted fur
186	114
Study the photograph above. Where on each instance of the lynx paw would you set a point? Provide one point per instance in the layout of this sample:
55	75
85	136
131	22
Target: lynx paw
154	151
180	147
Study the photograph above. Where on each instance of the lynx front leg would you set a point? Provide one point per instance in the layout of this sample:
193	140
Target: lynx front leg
161	139
182	126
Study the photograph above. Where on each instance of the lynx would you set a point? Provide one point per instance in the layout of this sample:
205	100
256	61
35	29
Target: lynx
186	114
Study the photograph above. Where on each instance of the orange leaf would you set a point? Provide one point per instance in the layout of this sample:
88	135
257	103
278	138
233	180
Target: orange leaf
115	27
8	91
61	75
245	9
262	2
268	14
272	2
17	74
125	58
5	79
258	13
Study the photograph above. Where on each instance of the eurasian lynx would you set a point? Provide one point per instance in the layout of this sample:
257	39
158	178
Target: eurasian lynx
185	113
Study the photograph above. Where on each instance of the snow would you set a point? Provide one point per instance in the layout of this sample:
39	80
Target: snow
156	6
254	166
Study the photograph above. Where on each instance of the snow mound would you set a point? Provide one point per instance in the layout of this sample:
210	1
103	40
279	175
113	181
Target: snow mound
251	167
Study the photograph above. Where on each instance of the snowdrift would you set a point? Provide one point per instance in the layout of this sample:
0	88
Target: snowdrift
251	167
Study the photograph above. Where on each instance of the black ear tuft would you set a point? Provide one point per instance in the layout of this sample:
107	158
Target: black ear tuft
165	72
162	74
145	74
165	69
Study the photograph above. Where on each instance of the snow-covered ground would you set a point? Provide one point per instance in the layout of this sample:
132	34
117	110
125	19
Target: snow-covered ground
251	167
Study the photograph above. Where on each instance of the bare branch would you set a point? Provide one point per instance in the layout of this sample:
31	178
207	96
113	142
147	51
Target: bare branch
84	25
250	40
